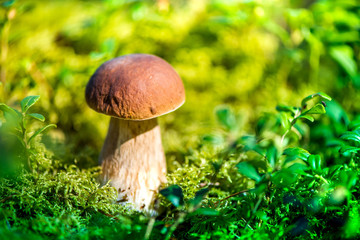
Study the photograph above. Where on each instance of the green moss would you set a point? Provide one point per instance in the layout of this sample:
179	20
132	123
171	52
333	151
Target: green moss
248	55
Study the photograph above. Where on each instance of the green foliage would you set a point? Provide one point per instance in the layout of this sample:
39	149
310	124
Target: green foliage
244	172
249	171
49	198
174	194
304	111
17	124
294	194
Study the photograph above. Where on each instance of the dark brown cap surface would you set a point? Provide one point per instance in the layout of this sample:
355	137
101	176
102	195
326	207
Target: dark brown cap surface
136	86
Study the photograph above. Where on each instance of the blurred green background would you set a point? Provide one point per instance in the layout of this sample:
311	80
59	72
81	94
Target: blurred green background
248	54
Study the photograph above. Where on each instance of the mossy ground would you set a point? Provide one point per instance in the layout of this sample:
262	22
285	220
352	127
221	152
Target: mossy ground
238	61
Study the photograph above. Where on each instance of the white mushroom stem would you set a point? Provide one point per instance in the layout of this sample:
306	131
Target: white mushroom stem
133	159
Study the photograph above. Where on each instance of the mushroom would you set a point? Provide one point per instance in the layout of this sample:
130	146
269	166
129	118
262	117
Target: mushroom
134	90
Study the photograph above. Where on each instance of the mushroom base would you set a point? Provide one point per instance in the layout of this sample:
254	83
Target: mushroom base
133	160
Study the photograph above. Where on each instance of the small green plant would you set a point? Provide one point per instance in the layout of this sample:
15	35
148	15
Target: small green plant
17	123
283	164
175	195
304	111
284	175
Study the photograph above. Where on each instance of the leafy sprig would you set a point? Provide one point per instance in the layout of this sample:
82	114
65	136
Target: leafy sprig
303	112
18	124
175	195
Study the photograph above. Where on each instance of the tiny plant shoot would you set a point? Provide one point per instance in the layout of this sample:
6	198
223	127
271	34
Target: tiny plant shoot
17	124
304	111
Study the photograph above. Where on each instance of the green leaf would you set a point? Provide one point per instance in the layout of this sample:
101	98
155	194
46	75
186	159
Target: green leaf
298	168
226	118
351	136
284	177
352	180
262	215
317	109
28	102
11	115
37	116
348	178
272	155
354	125
250	143
315	162
249	171
344	55
283	108
295	153
213	139
310	118
335	170
337	113
174	194
199	196
349	149
6	109
206	212
259	189
285	120
323	96
40	131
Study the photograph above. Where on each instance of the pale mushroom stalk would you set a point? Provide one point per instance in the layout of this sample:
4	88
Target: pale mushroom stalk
132	158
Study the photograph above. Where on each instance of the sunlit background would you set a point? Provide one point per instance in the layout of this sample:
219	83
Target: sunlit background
248	54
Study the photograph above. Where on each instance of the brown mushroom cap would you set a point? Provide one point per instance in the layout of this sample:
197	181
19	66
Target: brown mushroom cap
135	87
